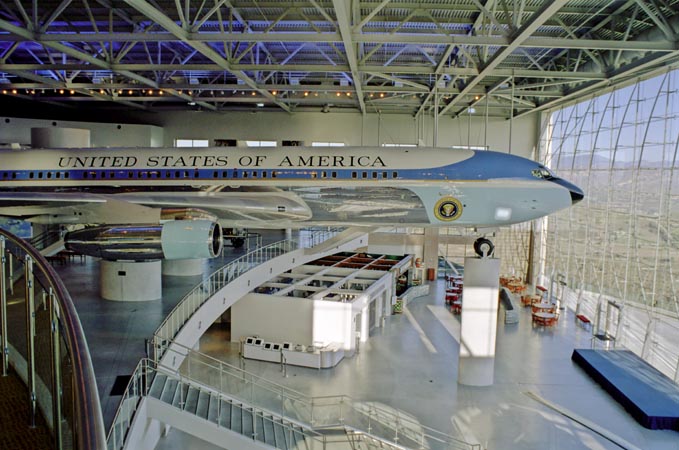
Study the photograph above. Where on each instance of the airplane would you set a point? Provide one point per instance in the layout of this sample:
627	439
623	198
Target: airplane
149	203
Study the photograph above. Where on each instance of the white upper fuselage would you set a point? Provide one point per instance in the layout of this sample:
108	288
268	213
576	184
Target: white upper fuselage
290	185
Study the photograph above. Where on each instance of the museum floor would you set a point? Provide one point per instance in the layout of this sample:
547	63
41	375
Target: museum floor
409	365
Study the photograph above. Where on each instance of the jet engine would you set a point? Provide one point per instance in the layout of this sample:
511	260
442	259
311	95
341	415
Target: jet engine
176	239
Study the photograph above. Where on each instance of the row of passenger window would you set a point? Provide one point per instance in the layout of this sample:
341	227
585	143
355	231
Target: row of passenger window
186	174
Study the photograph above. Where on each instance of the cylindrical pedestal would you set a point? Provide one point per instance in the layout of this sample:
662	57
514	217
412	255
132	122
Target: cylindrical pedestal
131	281
479	321
183	267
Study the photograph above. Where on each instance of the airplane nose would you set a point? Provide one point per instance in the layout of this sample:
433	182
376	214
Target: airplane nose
576	193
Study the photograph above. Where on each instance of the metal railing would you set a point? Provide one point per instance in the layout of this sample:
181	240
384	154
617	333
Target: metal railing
47	238
140	386
192	301
44	342
325	412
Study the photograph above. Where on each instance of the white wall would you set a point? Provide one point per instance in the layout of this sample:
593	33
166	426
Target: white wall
101	134
274	319
350	128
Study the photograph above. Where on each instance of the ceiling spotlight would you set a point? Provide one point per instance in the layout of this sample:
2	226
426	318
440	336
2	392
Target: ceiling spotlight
339	93
72	91
120	91
192	103
260	105
160	92
101	91
476	97
190	92
4	91
61	91
371	95
348	94
253	93
151	92
129	92
14	91
274	92
381	94
315	94
306	94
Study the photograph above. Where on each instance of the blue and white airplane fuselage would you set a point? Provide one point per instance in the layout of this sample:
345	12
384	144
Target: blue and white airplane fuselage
281	187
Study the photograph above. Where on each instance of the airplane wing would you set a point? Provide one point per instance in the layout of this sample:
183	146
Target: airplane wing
144	207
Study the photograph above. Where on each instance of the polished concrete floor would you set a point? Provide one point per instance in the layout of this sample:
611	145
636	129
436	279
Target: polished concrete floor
409	365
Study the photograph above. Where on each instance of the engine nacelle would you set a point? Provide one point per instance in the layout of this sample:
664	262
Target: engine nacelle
177	239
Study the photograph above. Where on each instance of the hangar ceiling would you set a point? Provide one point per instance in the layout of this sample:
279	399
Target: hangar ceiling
446	57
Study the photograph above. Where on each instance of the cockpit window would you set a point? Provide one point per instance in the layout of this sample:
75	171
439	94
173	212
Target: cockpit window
542	172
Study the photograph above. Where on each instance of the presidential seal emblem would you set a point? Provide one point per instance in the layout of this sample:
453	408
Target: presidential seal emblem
448	209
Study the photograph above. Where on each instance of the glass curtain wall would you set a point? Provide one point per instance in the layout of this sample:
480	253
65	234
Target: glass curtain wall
615	256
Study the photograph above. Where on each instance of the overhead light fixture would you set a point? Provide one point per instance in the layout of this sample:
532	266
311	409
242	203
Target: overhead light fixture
72	91
274	92
471	110
260	105
192	103
306	94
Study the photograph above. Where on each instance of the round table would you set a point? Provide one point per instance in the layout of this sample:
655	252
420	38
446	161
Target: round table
544	318
543	307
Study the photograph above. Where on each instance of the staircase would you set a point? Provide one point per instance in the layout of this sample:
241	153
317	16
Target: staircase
230	414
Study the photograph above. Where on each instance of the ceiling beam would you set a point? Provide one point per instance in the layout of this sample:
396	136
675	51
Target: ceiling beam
357	38
344	24
638	67
164	21
537	19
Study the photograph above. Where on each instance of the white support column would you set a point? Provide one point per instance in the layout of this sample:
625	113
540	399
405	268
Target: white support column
479	321
365	323
131	281
431	250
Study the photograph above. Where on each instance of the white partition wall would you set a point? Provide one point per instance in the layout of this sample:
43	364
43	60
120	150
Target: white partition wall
479	321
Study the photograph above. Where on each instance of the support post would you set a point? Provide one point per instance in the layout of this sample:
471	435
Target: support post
479	321
30	336
4	348
55	337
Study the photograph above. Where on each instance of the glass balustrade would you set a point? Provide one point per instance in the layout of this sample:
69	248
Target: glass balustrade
42	340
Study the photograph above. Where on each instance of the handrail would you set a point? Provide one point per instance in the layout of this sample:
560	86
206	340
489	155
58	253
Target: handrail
345	412
195	298
139	386
89	423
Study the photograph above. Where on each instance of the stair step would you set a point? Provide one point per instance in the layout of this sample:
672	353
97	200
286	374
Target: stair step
179	396
279	432
191	400
236	418
169	390
299	438
213	409
248	426
225	414
157	386
203	404
259	427
269	436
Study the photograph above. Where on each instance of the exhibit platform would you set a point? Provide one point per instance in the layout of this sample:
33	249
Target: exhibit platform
648	395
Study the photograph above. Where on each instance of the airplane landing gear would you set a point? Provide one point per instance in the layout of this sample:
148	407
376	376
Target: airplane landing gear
484	247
